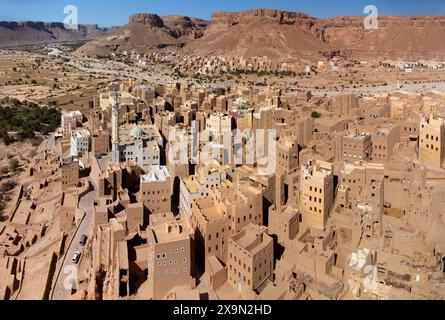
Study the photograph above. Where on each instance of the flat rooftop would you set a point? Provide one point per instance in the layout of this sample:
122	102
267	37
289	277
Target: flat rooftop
252	238
103	161
82	133
349	167
356	137
287	212
208	209
130	133
159	218
191	183
70	200
156	174
169	231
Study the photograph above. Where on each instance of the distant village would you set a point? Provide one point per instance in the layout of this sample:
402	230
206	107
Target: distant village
222	64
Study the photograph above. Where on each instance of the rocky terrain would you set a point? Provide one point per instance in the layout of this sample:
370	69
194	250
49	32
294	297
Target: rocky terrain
276	34
280	35
14	34
408	38
145	32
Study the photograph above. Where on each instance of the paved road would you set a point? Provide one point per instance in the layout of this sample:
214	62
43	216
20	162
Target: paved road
86	205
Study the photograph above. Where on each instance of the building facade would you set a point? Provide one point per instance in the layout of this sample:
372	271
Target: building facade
69	173
250	261
80	142
316	193
156	189
356	147
432	141
169	257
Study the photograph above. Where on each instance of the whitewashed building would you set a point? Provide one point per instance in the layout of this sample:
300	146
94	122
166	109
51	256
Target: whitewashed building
80	142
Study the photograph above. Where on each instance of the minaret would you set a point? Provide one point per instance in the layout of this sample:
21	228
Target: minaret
115	128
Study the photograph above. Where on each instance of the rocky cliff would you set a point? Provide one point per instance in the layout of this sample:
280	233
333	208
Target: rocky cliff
414	37
280	35
147	31
14	34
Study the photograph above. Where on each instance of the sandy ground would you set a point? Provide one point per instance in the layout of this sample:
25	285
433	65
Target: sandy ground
44	80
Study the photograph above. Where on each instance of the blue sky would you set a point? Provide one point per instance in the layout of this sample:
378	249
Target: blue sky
116	12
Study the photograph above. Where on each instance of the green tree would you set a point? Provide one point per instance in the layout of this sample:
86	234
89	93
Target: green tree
7	186
315	115
14	164
4	170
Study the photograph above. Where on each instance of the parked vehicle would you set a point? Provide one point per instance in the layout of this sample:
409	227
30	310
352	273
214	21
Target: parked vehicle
83	240
76	257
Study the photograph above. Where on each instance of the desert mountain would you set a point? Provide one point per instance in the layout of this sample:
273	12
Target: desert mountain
14	34
280	35
146	31
277	34
286	35
402	37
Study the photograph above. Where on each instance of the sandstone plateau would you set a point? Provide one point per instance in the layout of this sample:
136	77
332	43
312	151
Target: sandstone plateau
289	35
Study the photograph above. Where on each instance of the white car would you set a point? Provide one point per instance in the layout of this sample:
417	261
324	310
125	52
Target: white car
76	257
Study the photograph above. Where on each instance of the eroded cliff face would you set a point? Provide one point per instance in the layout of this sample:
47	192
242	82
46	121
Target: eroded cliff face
145	32
296	35
225	20
279	35
183	26
35	32
282	36
396	37
148	19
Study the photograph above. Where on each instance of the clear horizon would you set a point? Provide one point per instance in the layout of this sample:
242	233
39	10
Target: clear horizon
116	13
